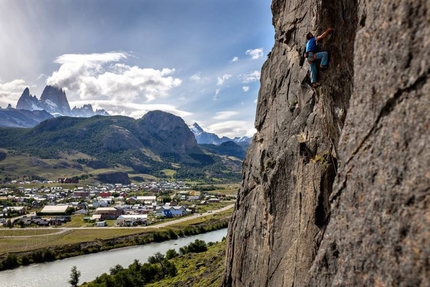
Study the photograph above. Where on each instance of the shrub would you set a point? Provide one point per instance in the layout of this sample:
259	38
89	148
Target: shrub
25	260
171	253
10	262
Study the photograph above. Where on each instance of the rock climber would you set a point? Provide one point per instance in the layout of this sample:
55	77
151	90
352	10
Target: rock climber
312	55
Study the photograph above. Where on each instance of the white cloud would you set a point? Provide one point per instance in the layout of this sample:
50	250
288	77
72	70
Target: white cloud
95	76
253	76
245	88
224	115
230	128
195	77
216	94
255	54
222	79
235	59
11	91
131	109
91	59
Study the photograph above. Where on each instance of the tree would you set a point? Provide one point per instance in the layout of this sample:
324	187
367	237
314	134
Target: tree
74	276
171	253
157	258
70	210
9	223
114	270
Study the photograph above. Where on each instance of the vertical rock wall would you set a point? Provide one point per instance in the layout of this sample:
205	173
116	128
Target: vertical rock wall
379	231
336	182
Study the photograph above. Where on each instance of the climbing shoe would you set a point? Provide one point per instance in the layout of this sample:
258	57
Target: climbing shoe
323	67
315	85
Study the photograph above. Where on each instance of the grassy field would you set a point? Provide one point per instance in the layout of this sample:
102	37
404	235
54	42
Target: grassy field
26	232
27	241
226	188
15	165
169	172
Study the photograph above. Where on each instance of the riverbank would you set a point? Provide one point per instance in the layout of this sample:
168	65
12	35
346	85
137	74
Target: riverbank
57	273
200	265
75	242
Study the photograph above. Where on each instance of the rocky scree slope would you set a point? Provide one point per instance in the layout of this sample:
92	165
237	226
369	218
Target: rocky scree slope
336	182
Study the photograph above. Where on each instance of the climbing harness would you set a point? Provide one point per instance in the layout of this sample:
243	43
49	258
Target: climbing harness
310	56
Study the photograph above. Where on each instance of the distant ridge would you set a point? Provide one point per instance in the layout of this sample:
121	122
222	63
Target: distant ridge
54	101
14	118
203	137
157	142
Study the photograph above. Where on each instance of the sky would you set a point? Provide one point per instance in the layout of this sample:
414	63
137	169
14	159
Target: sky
198	59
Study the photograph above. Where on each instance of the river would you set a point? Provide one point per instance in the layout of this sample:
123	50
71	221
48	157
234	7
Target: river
57	273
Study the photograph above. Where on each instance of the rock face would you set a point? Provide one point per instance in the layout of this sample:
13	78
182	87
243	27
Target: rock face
54	101
27	101
171	131
87	111
336	182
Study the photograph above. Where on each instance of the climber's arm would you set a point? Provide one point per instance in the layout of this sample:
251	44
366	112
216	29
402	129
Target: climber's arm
324	34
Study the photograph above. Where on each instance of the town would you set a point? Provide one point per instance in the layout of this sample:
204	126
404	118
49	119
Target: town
33	204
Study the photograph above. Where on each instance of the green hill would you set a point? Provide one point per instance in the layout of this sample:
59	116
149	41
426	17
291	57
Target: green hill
78	147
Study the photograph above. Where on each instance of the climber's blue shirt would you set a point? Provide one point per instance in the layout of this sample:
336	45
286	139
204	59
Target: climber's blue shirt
311	45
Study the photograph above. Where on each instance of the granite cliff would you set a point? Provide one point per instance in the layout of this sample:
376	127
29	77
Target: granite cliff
336	181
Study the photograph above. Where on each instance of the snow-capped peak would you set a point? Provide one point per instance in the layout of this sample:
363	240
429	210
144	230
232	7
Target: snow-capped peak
196	129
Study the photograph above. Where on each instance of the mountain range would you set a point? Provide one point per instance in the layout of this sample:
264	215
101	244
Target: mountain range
53	103
157	144
203	137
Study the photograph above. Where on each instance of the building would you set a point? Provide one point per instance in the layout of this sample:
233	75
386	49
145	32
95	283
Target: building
81	193
54	209
108	212
147	200
132	219
178	211
163	211
14	210
68	180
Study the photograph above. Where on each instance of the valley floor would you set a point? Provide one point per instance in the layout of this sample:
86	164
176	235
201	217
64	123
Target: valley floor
58	243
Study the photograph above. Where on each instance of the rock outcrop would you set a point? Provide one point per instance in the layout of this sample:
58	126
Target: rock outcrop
28	102
336	182
87	111
168	134
54	101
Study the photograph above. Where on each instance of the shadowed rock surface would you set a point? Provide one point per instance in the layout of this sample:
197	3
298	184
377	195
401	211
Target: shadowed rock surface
336	181
54	100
